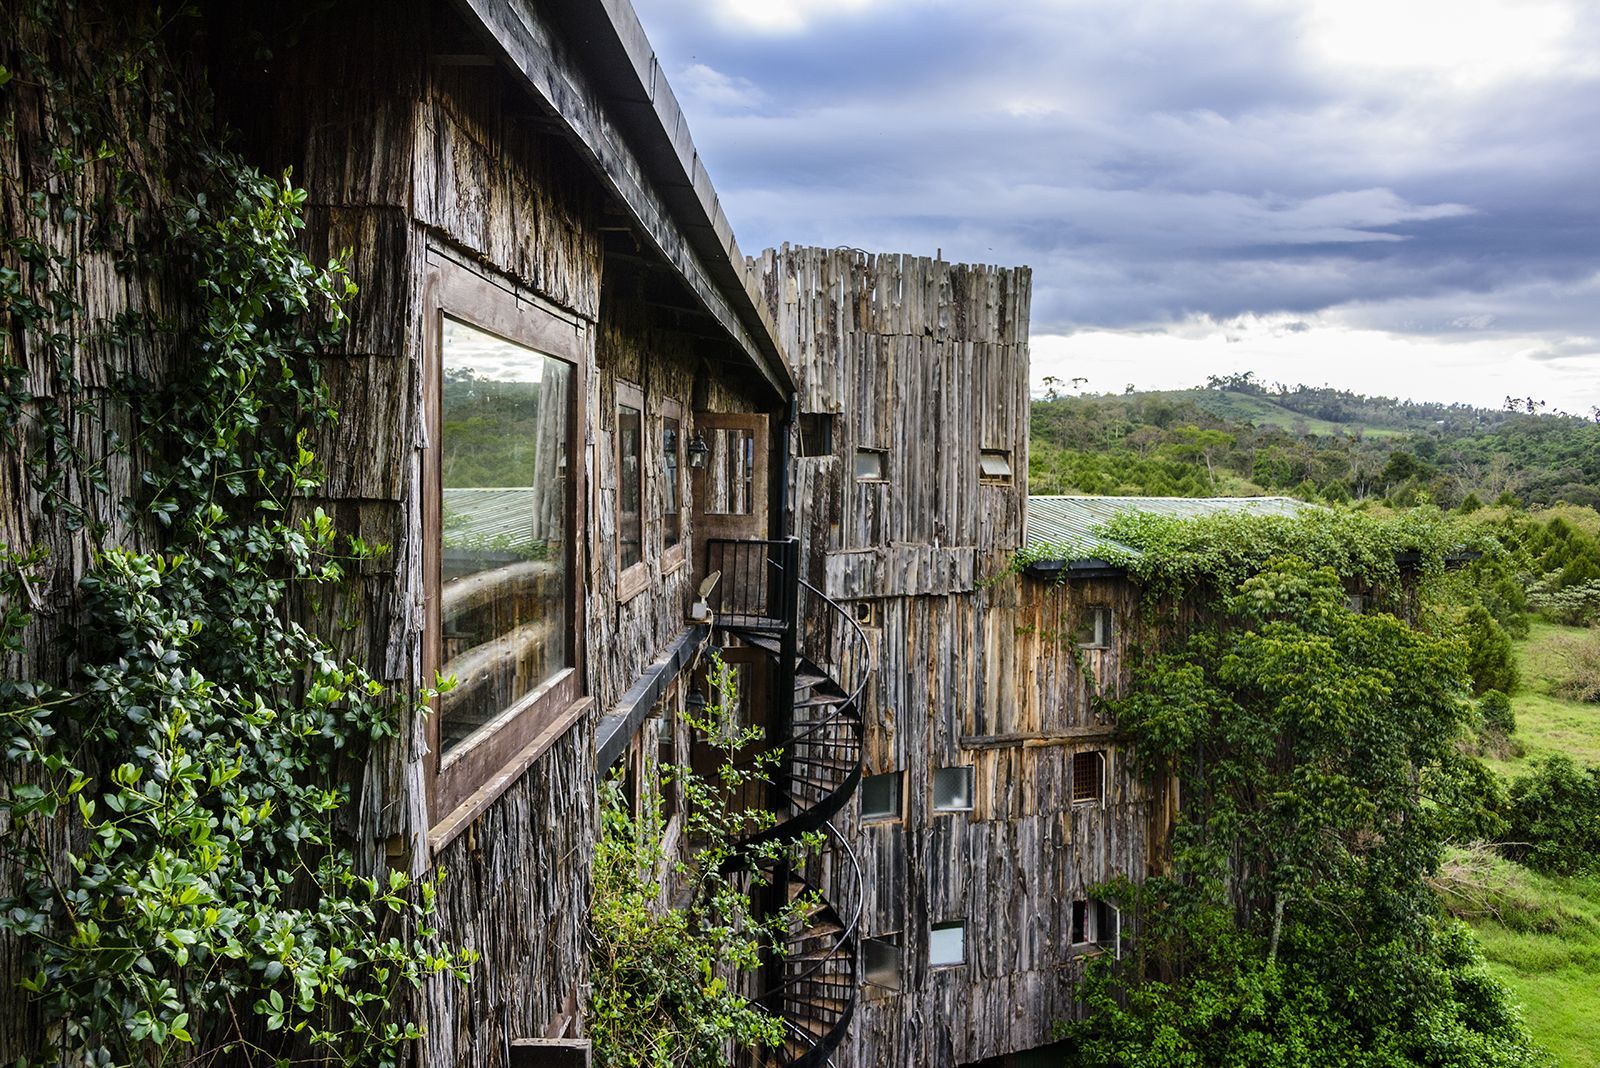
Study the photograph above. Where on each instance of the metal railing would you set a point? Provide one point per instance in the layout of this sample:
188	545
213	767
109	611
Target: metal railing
824	665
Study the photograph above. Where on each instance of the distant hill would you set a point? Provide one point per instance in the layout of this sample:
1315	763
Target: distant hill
1237	436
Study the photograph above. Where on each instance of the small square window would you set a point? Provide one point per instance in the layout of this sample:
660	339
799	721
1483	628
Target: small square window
872	465
881	960
816	433
994	465
1094	629
865	613
1088	776
952	789
947	944
880	796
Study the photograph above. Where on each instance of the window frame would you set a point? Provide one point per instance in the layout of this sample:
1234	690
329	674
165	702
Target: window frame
635	578
899	812
894	941
460	784
972	789
1099	798
674	556
882	478
1095	613
948	925
1004	455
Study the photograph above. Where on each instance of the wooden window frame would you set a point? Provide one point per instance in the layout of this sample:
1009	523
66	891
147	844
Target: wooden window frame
1105	777
634	579
871	480
995	479
675	556
463	783
1097	640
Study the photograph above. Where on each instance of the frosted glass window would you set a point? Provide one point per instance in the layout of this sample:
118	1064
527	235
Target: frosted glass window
880	796
947	944
872	465
505	522
952	789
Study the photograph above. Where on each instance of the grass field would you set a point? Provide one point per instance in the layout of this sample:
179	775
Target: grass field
1542	935
1245	407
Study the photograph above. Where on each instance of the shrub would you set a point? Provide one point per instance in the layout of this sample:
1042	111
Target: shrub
1555	818
1494	708
1490	661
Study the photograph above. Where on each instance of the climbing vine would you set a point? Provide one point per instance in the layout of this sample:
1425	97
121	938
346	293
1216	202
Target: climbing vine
177	795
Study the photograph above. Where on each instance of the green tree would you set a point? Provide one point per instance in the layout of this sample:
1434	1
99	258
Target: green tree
1295	926
667	981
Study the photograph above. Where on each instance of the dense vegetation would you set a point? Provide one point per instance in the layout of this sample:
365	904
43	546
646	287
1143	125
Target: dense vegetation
1327	756
176	808
1239	437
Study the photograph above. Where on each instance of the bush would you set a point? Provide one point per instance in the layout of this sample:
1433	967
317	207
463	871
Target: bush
1575	606
1494	708
1489	658
1555	818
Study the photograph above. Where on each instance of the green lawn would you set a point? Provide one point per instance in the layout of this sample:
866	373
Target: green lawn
1542	935
1547	724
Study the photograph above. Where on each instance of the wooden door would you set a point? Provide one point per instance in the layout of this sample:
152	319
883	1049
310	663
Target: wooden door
730	491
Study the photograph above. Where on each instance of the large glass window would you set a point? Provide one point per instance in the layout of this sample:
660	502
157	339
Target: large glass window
505	416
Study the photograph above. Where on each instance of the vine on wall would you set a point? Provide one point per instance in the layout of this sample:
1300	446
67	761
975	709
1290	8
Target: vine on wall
199	752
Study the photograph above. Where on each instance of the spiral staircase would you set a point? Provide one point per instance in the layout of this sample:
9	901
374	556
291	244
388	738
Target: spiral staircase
822	662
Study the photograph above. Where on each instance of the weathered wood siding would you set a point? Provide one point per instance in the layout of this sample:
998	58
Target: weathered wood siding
413	159
974	665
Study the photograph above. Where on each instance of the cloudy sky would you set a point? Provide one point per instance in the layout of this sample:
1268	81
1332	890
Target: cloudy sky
1390	196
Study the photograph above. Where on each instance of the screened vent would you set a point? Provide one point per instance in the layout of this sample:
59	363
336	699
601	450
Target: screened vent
816	433
882	960
947	944
952	789
994	465
872	465
1088	776
880	796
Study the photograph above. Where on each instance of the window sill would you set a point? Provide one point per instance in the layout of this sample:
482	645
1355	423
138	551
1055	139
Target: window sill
462	816
633	581
674	560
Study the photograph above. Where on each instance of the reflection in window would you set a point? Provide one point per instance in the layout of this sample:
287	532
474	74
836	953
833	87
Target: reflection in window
630	485
671	442
731	472
947	944
504	521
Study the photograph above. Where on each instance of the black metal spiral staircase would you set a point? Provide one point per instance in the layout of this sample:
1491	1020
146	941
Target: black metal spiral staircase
823	663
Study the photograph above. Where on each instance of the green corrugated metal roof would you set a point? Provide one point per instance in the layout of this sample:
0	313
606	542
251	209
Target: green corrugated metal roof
1069	524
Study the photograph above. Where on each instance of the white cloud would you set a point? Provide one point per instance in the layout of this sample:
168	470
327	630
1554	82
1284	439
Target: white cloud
785	16
707	85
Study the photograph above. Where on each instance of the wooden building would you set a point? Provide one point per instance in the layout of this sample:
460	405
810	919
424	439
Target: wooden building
557	390
994	796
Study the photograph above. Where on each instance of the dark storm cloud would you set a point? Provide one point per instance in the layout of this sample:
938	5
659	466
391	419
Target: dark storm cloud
1155	161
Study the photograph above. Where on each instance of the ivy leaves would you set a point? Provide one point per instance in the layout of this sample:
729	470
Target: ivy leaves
197	762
